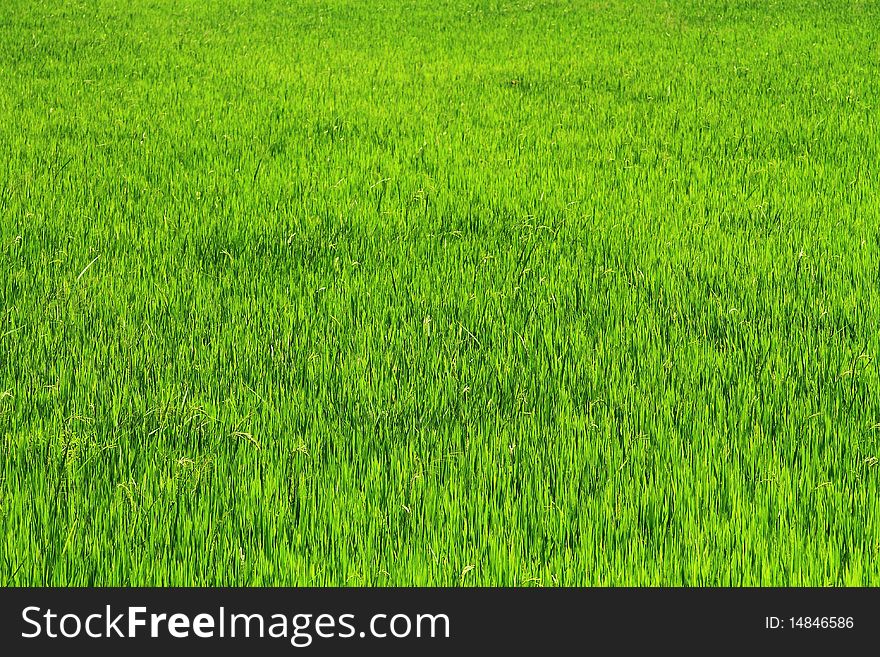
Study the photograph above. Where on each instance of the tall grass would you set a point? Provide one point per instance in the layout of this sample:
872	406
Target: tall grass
404	292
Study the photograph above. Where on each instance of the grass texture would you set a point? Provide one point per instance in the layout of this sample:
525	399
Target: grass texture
362	292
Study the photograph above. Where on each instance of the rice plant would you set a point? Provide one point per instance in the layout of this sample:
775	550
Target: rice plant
462	292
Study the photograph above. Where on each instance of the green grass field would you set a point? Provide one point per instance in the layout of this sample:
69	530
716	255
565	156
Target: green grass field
392	292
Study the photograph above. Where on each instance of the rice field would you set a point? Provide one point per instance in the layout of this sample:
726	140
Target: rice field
462	292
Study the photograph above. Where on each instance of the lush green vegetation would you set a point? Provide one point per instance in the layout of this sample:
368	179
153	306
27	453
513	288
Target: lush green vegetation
450	292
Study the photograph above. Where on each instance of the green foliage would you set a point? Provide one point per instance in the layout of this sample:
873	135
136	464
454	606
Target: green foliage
449	293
